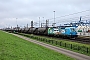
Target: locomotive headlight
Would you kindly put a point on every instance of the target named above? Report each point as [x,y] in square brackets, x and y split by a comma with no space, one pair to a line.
[70,33]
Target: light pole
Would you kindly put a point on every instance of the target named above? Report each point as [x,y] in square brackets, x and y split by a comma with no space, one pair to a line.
[39,21]
[16,21]
[43,19]
[54,16]
[54,19]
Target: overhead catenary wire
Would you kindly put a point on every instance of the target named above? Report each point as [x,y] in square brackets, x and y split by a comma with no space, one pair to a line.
[68,19]
[73,19]
[65,20]
[70,14]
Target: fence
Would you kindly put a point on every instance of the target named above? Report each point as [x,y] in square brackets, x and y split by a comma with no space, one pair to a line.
[81,49]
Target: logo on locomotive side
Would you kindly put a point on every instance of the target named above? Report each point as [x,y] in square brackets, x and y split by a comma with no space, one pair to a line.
[50,31]
[62,31]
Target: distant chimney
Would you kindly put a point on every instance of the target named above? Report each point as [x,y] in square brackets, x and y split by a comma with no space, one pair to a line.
[41,24]
[47,23]
[11,27]
[31,24]
[27,25]
[17,26]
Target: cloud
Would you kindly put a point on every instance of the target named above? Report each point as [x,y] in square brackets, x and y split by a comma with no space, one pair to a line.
[27,10]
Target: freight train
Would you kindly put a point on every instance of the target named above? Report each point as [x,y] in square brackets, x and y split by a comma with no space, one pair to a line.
[69,32]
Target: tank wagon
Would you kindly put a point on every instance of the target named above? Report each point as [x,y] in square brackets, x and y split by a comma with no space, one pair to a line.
[32,30]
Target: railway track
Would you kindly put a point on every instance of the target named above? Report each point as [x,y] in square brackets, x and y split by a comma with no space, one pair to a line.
[83,40]
[75,55]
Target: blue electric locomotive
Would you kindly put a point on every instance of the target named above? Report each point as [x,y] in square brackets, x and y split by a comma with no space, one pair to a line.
[68,32]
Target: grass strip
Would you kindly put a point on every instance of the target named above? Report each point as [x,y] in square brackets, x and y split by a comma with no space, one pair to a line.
[14,48]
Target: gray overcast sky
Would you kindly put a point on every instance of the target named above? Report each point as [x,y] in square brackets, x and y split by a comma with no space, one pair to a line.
[27,10]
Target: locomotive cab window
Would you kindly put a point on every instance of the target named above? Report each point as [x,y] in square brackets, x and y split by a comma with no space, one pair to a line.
[73,29]
[56,30]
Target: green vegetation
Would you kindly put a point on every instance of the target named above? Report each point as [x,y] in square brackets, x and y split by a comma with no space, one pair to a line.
[14,48]
[74,46]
